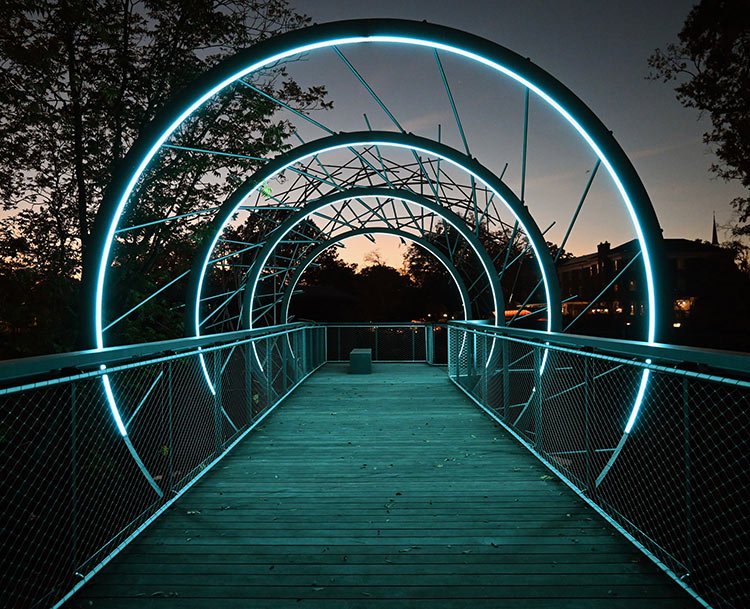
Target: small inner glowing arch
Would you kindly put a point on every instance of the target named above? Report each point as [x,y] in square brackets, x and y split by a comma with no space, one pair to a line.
[299,271]
[311,208]
[382,139]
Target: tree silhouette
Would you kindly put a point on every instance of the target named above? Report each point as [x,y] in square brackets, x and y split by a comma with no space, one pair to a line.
[80,81]
[710,65]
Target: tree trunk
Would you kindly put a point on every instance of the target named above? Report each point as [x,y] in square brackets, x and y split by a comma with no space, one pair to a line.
[74,87]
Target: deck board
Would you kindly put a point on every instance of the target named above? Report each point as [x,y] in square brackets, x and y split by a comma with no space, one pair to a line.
[384,490]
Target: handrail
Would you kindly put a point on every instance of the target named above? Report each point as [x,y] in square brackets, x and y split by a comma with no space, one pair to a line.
[23,368]
[379,324]
[101,442]
[652,436]
[676,355]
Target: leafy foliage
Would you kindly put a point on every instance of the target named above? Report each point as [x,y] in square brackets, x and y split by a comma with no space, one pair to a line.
[80,82]
[711,66]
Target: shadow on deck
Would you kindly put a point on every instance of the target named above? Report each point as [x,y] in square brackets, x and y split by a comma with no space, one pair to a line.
[386,490]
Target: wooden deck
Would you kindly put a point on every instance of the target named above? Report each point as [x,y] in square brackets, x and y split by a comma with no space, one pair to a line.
[387,490]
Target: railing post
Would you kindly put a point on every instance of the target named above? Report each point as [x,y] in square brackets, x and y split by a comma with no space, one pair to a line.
[170,451]
[249,380]
[375,352]
[269,373]
[537,399]
[506,377]
[285,353]
[451,359]
[73,478]
[338,345]
[588,388]
[484,372]
[413,344]
[687,474]
[301,351]
[217,401]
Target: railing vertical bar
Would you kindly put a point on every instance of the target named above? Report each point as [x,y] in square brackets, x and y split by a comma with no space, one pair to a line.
[74,476]
[217,401]
[506,378]
[248,377]
[269,373]
[688,470]
[537,400]
[170,449]
[587,389]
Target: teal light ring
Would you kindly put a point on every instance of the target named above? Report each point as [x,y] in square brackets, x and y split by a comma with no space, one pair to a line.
[364,193]
[239,197]
[492,55]
[423,243]
[383,139]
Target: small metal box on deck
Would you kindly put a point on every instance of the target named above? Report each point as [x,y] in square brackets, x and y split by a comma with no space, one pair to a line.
[360,361]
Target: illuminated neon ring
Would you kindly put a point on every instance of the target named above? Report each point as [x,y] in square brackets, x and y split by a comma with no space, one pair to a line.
[364,193]
[341,34]
[398,140]
[423,243]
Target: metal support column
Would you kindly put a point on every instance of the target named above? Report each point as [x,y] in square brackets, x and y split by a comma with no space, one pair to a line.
[687,472]
[73,478]
[588,387]
[505,350]
[537,399]
[170,448]
[217,402]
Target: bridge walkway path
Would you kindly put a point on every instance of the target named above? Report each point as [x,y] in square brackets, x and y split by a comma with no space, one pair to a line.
[386,490]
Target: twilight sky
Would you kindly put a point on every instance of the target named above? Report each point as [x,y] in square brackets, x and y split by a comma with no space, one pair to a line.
[599,50]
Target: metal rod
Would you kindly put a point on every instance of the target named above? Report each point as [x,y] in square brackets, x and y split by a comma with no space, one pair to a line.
[294,111]
[143,302]
[600,294]
[144,398]
[525,144]
[578,209]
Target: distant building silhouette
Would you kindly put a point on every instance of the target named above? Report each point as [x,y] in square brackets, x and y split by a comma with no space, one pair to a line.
[714,235]
[699,273]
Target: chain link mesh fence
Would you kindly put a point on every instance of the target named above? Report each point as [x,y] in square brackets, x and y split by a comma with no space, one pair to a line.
[677,482]
[74,488]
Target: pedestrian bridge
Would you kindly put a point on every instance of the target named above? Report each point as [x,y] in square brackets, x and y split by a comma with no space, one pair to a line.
[232,462]
[487,482]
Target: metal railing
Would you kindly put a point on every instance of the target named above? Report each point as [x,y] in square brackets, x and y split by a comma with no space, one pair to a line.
[94,445]
[390,342]
[655,437]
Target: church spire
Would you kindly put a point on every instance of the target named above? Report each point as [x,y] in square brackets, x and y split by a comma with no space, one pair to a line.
[714,235]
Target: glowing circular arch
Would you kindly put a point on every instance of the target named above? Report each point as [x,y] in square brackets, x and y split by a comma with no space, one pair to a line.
[382,139]
[485,52]
[500,59]
[420,241]
[366,193]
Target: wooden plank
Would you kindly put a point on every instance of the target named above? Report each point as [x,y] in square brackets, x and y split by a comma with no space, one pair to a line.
[385,490]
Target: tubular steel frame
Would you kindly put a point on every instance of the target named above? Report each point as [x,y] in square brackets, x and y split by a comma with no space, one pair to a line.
[444,39]
[419,35]
[374,138]
[367,193]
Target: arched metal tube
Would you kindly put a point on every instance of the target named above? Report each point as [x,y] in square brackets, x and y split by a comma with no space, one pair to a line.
[420,241]
[493,56]
[381,138]
[365,193]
